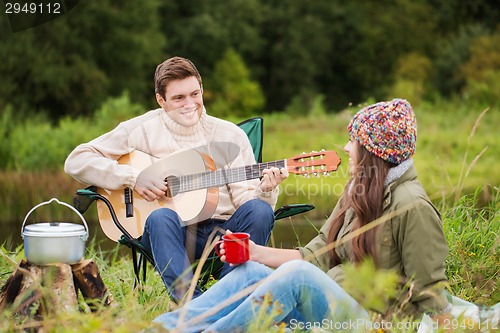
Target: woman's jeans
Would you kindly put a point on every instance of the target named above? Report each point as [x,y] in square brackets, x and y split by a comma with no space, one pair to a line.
[302,295]
[174,245]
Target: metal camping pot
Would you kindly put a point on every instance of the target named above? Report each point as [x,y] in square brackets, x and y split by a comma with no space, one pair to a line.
[54,242]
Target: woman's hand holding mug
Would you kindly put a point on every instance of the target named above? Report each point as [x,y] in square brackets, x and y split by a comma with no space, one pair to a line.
[234,248]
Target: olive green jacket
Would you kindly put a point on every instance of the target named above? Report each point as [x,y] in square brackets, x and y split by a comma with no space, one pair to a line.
[411,242]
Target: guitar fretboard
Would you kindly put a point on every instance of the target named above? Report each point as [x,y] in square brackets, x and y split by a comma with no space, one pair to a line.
[220,177]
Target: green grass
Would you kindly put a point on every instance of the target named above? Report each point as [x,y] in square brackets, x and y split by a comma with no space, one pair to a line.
[472,267]
[473,236]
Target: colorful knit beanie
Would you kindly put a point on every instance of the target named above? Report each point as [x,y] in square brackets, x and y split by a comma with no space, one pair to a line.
[386,129]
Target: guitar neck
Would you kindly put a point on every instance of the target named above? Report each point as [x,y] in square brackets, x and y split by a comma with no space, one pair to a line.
[220,177]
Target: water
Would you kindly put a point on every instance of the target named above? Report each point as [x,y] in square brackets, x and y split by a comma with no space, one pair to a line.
[287,233]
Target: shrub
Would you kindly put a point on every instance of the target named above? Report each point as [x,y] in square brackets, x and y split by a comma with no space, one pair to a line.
[113,111]
[451,54]
[482,71]
[234,92]
[412,78]
[37,144]
[6,125]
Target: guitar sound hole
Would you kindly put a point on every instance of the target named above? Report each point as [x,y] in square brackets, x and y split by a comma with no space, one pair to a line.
[173,186]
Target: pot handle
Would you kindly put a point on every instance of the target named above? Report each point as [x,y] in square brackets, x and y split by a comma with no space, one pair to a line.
[61,203]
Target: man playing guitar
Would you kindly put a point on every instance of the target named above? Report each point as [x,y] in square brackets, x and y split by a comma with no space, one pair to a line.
[180,123]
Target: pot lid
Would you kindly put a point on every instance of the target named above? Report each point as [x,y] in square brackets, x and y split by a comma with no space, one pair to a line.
[54,229]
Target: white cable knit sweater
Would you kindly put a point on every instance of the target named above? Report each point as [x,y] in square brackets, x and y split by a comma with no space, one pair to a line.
[156,134]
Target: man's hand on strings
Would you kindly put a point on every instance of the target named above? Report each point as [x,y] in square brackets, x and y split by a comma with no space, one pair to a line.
[151,188]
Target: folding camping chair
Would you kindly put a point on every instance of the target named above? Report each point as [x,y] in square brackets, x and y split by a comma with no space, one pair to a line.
[212,267]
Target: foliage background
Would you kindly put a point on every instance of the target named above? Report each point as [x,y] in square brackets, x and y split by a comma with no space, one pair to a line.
[276,55]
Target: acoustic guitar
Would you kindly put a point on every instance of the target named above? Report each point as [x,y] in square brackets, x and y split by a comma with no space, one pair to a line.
[193,183]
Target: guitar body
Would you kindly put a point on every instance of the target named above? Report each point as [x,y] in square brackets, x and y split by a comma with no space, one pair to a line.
[192,207]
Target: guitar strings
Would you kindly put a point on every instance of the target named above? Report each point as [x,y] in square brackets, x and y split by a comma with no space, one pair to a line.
[221,177]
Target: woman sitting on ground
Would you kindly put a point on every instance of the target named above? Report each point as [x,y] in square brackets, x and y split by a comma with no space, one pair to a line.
[407,237]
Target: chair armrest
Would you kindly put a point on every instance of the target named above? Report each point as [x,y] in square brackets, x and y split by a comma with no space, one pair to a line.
[84,198]
[89,191]
[291,210]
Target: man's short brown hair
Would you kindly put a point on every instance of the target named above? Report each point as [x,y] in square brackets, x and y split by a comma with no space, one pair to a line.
[175,68]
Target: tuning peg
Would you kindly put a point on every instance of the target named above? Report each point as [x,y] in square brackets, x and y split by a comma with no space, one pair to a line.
[325,173]
[322,150]
[315,174]
[306,175]
[304,153]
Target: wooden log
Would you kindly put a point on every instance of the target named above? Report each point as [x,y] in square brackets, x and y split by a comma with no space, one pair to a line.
[22,289]
[28,300]
[89,281]
[12,286]
[37,291]
[60,288]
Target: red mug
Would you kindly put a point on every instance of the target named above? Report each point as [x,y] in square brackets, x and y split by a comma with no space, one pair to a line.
[237,247]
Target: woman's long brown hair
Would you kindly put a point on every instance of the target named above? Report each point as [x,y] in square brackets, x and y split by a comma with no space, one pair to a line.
[364,194]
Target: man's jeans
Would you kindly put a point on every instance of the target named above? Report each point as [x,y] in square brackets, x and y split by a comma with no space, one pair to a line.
[305,295]
[170,242]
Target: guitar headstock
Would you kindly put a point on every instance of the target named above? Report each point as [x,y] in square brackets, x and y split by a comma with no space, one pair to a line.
[314,163]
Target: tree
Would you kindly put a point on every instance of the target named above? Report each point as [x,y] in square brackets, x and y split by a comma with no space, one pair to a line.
[378,35]
[450,54]
[70,65]
[298,50]
[202,30]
